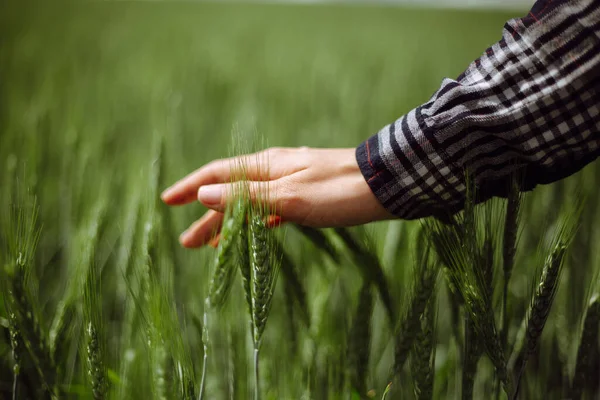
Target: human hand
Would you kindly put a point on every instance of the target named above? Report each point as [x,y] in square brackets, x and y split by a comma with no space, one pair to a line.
[313,187]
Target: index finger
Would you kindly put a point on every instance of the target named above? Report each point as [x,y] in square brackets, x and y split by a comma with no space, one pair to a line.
[261,166]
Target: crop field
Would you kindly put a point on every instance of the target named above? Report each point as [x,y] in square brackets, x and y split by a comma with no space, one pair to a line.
[105,104]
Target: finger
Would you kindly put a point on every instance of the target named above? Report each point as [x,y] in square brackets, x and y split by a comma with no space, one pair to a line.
[272,221]
[201,231]
[214,242]
[271,194]
[266,165]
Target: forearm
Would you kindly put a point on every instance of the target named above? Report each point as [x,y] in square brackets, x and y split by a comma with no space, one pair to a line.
[528,104]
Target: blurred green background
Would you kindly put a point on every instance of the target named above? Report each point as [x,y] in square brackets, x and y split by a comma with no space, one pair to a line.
[94,94]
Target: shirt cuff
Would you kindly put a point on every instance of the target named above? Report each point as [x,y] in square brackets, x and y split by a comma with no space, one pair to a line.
[405,168]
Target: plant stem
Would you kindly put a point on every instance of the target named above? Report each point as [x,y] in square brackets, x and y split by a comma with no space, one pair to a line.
[203,380]
[256,375]
[205,358]
[15,386]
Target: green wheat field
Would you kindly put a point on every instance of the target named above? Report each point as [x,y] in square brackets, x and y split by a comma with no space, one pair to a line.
[104,104]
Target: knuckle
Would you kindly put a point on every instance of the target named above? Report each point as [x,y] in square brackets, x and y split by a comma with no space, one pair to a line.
[274,151]
[215,165]
[289,196]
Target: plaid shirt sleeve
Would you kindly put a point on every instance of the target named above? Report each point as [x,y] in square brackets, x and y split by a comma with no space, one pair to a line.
[529,105]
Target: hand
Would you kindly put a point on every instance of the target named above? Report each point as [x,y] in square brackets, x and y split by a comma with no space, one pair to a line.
[313,187]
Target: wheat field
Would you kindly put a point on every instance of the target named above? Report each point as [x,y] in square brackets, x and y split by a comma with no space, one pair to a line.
[104,104]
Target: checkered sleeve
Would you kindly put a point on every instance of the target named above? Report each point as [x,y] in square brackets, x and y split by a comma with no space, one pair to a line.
[529,105]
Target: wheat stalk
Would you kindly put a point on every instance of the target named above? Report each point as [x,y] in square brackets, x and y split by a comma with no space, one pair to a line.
[509,246]
[360,340]
[386,392]
[320,240]
[472,354]
[587,353]
[295,290]
[370,268]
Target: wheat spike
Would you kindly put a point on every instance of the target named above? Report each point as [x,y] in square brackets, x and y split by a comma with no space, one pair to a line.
[264,269]
[456,246]
[160,370]
[422,290]
[539,309]
[21,236]
[243,252]
[96,370]
[28,330]
[16,344]
[423,355]
[225,265]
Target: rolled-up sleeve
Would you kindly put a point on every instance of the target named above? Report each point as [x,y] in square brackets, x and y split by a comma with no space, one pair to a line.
[529,105]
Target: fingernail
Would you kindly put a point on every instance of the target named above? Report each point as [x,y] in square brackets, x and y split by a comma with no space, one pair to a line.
[214,242]
[210,194]
[165,193]
[274,221]
[182,237]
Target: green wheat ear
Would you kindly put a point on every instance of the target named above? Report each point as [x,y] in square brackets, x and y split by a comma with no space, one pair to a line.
[457,247]
[264,269]
[264,265]
[423,287]
[29,339]
[95,358]
[543,297]
[423,354]
[225,262]
[539,309]
[96,368]
[243,252]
